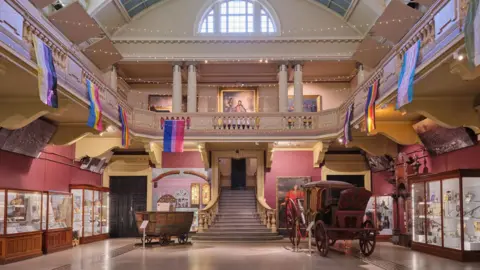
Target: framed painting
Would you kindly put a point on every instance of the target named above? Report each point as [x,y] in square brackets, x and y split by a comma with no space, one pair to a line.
[288,188]
[311,103]
[238,100]
[163,103]
[205,194]
[195,195]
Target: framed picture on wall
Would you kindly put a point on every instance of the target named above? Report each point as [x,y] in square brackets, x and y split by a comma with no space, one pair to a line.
[311,103]
[195,195]
[288,188]
[205,194]
[238,100]
[163,103]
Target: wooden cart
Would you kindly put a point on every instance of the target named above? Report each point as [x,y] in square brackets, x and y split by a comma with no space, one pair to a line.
[164,225]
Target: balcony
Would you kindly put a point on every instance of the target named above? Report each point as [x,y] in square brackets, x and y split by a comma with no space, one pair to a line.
[439,31]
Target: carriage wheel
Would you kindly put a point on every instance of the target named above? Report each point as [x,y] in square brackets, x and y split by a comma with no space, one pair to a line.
[368,239]
[292,226]
[183,238]
[148,240]
[321,238]
[331,242]
[164,240]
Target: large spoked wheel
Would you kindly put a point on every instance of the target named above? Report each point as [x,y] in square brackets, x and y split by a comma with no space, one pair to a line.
[182,239]
[368,239]
[291,222]
[321,238]
[164,240]
[148,240]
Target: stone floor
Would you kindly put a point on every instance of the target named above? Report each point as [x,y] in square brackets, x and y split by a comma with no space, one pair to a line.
[122,254]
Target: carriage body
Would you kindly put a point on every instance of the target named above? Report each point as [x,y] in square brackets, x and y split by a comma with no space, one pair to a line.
[164,225]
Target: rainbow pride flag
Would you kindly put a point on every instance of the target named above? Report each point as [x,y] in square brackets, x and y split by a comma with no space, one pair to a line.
[173,136]
[370,106]
[122,115]
[95,116]
[47,76]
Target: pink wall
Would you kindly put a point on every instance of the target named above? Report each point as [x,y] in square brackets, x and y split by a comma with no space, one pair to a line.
[190,159]
[289,163]
[53,170]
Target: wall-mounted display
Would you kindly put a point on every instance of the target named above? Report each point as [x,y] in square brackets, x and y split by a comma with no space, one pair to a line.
[163,103]
[446,214]
[21,224]
[90,213]
[238,100]
[57,209]
[311,103]
[195,194]
[288,188]
[205,194]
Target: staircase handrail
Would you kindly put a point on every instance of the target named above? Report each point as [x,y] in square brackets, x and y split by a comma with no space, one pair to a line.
[207,215]
[267,214]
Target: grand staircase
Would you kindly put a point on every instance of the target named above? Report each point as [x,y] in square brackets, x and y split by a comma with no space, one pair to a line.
[237,220]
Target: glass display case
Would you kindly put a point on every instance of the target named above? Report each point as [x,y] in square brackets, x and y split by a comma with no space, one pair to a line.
[57,209]
[21,224]
[446,214]
[90,213]
[380,212]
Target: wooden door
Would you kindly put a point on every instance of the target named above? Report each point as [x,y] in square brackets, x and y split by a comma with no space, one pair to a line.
[239,173]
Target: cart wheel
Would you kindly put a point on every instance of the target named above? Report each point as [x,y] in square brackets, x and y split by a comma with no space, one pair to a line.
[290,220]
[321,237]
[368,239]
[331,242]
[164,240]
[182,239]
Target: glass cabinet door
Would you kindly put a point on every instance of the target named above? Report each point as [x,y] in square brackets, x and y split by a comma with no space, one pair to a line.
[44,211]
[88,213]
[433,222]
[2,211]
[451,213]
[97,213]
[418,209]
[105,212]
[471,211]
[77,211]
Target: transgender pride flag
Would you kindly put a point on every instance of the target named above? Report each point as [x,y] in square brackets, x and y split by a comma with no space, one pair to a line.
[173,136]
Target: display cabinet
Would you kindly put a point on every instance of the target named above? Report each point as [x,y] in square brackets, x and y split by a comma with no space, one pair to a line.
[446,214]
[380,212]
[21,225]
[90,213]
[57,221]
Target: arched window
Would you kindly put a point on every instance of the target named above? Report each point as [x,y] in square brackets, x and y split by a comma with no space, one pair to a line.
[237,17]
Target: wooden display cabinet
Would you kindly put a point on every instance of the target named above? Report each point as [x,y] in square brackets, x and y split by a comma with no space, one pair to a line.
[20,225]
[446,214]
[90,213]
[380,212]
[57,221]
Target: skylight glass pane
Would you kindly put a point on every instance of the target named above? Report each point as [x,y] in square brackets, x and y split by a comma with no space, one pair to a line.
[223,24]
[338,6]
[223,8]
[133,7]
[250,8]
[236,24]
[236,7]
[250,24]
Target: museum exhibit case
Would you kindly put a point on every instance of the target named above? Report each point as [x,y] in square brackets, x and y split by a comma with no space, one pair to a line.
[91,211]
[380,212]
[57,221]
[446,214]
[20,225]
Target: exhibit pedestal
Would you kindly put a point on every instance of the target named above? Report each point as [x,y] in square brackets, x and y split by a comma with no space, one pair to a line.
[20,247]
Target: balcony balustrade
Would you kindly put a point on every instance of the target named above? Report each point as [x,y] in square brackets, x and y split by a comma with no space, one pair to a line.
[439,29]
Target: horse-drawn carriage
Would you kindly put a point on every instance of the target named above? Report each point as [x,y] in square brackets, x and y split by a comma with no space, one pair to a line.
[337,210]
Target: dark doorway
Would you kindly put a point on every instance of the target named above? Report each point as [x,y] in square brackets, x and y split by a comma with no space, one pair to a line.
[128,194]
[356,180]
[239,173]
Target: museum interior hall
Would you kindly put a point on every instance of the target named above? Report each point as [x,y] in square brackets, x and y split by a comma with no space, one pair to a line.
[239,134]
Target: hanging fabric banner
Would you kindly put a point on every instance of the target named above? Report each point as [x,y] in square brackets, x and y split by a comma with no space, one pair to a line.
[95,115]
[472,33]
[122,115]
[47,76]
[347,132]
[370,106]
[407,74]
[173,136]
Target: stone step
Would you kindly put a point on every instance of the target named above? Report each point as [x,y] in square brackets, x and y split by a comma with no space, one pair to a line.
[241,199]
[235,233]
[234,238]
[238,226]
[238,221]
[237,215]
[239,229]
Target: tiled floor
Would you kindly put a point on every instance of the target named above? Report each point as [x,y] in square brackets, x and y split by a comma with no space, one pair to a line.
[121,254]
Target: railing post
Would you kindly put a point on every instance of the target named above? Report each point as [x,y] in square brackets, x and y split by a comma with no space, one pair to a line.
[200,223]
[274,223]
[267,219]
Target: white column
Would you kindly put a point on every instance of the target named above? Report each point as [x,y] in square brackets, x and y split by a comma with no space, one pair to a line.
[177,89]
[192,89]
[298,88]
[283,88]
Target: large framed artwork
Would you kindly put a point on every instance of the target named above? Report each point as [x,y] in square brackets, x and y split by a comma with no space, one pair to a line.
[288,187]
[311,103]
[238,100]
[163,103]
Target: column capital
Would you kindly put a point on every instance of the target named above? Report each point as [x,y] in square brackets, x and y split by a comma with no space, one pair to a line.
[178,63]
[192,63]
[297,66]
[192,68]
[283,66]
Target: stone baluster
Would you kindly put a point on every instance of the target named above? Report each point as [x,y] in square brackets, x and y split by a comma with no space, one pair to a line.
[273,222]
[200,223]
[268,218]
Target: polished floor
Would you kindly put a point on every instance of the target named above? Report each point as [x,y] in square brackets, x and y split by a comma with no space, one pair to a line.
[121,254]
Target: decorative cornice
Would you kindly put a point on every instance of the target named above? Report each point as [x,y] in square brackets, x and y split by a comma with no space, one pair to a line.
[239,41]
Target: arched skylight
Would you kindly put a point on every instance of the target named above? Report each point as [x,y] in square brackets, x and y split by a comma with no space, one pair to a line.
[237,17]
[339,6]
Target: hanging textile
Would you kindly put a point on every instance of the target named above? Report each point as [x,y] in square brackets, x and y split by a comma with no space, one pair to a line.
[472,33]
[122,115]
[47,76]
[370,106]
[173,136]
[347,132]
[407,74]
[95,115]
